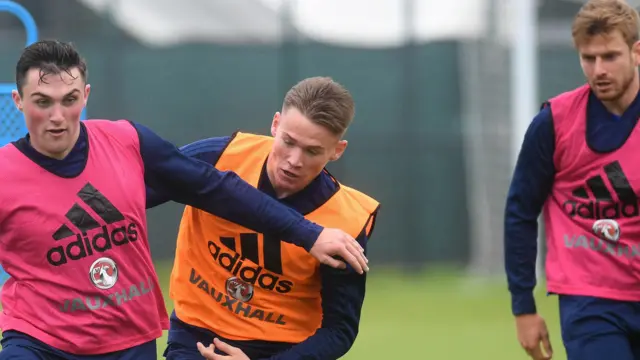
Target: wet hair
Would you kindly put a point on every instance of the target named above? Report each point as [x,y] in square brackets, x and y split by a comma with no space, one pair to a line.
[50,57]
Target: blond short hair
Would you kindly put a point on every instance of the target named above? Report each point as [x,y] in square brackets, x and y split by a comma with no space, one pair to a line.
[604,17]
[324,102]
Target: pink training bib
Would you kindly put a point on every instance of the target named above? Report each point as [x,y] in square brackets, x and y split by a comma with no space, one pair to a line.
[589,186]
[82,279]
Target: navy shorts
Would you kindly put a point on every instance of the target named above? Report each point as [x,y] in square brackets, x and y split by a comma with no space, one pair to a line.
[181,344]
[19,346]
[182,340]
[596,328]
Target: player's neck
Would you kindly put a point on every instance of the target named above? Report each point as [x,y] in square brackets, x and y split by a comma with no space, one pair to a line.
[620,105]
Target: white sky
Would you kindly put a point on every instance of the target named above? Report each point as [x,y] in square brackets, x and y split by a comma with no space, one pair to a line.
[363,23]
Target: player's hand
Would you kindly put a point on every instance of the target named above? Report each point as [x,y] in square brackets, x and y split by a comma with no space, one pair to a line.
[233,353]
[533,336]
[334,242]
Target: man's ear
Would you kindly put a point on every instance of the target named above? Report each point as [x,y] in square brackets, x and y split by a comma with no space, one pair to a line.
[339,150]
[17,99]
[275,123]
[87,91]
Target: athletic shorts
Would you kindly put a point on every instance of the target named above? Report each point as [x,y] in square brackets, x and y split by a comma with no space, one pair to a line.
[596,328]
[20,346]
[183,338]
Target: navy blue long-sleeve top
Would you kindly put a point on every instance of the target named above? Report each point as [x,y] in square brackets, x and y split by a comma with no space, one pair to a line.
[342,291]
[532,182]
[169,171]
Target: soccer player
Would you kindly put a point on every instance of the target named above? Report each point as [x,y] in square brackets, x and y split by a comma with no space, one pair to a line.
[260,298]
[578,163]
[73,232]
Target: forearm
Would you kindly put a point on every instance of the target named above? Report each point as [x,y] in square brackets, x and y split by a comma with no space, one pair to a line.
[520,265]
[531,183]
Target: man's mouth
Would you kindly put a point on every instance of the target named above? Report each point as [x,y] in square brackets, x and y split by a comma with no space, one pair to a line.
[56,131]
[289,174]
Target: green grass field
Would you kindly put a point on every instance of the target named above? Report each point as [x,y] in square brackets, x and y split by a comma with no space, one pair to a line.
[437,315]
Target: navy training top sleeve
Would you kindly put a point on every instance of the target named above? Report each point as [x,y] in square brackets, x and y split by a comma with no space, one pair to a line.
[530,186]
[342,294]
[207,150]
[224,194]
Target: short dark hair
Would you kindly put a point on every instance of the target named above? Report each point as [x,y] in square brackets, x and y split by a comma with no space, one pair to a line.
[51,57]
[324,102]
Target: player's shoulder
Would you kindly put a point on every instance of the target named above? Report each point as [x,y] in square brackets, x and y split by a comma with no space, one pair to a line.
[104,123]
[8,153]
[361,207]
[115,127]
[544,115]
[565,102]
[9,147]
[541,128]
[245,142]
[211,144]
[122,131]
[366,202]
[569,94]
[579,91]
[248,137]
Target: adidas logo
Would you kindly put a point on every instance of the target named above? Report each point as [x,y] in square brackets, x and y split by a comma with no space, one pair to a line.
[87,241]
[268,276]
[602,205]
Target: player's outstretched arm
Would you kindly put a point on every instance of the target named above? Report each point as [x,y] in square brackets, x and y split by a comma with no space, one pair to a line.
[530,186]
[207,150]
[197,183]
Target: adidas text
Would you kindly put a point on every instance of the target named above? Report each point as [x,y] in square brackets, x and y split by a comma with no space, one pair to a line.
[601,209]
[86,243]
[254,275]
